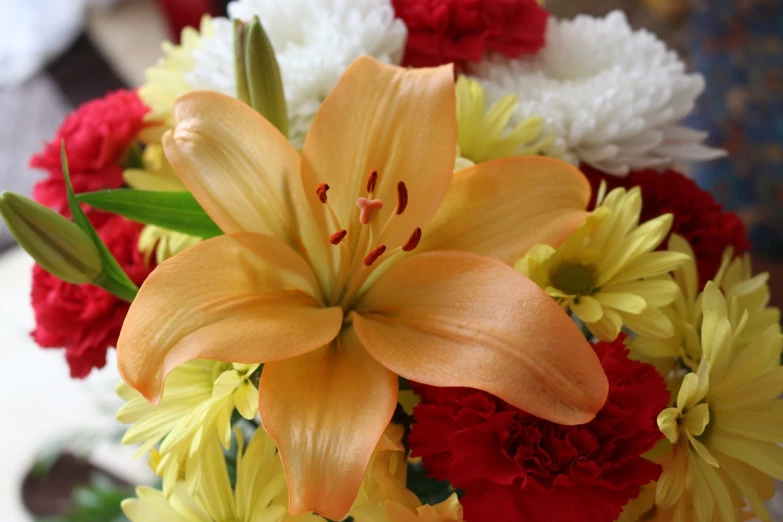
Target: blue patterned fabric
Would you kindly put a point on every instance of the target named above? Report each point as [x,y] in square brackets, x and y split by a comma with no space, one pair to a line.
[738,46]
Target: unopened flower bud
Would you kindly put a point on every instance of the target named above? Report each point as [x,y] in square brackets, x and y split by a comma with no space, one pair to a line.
[56,243]
[259,83]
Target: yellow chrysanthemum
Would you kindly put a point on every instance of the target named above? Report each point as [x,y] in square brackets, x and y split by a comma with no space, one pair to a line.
[744,292]
[166,79]
[158,175]
[748,293]
[727,424]
[383,496]
[199,398]
[484,135]
[607,272]
[260,494]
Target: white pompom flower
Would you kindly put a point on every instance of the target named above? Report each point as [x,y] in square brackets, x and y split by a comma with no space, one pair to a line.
[611,97]
[314,40]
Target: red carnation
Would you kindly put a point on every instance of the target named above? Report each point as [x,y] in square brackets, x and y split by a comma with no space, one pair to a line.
[97,137]
[445,31]
[85,319]
[697,216]
[516,467]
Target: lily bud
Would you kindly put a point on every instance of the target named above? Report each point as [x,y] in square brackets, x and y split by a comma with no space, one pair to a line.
[56,243]
[258,79]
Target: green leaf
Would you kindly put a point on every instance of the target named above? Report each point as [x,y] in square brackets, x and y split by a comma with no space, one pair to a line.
[176,211]
[113,278]
[429,490]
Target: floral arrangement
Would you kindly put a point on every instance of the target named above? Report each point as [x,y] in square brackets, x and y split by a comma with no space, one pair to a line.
[411,260]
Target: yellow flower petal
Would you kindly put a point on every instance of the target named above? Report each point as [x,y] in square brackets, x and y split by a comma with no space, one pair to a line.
[702,451]
[629,303]
[668,423]
[242,298]
[457,319]
[247,400]
[696,419]
[650,322]
[608,327]
[671,484]
[720,492]
[504,207]
[326,410]
[656,292]
[741,475]
[764,456]
[652,264]
[763,389]
[588,309]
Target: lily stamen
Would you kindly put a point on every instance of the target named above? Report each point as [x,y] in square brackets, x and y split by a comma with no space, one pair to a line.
[337,237]
[372,179]
[412,241]
[373,256]
[321,191]
[402,198]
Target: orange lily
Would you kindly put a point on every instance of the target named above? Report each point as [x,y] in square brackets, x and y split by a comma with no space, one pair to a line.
[339,280]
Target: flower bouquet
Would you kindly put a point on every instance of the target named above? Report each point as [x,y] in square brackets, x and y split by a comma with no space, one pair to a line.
[469,289]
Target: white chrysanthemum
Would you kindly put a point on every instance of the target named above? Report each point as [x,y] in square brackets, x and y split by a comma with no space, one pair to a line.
[314,40]
[612,97]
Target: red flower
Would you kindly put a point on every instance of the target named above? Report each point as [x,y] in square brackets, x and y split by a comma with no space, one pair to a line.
[516,467]
[85,319]
[444,31]
[697,216]
[97,137]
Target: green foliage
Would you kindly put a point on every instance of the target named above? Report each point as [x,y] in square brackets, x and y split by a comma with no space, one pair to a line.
[98,502]
[113,278]
[429,490]
[176,211]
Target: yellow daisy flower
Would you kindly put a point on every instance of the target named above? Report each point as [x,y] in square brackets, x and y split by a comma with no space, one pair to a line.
[383,496]
[260,494]
[198,400]
[744,292]
[166,79]
[727,423]
[747,293]
[157,174]
[607,273]
[484,135]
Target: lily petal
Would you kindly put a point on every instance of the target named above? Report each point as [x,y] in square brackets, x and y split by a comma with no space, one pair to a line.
[327,411]
[240,298]
[449,318]
[502,208]
[237,164]
[399,122]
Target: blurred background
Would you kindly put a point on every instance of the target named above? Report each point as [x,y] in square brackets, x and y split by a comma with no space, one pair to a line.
[57,54]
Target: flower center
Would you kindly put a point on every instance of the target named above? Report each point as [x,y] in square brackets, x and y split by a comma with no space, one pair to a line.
[574,278]
[365,248]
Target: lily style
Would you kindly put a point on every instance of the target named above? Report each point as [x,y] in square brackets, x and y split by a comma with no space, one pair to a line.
[362,259]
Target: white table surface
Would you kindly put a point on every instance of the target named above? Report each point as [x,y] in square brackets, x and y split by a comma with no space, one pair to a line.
[40,403]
